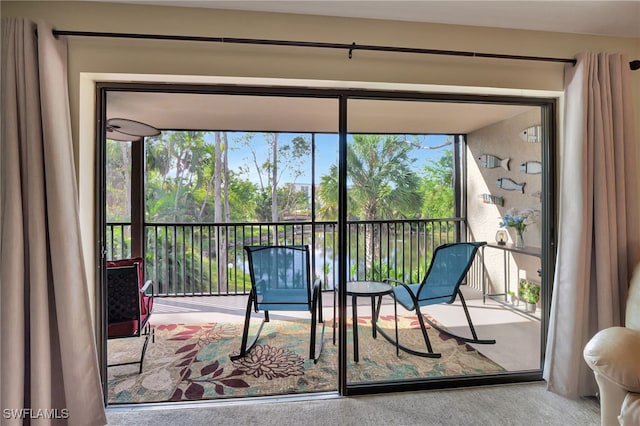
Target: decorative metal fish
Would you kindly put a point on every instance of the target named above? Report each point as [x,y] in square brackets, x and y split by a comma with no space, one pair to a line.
[532,134]
[489,161]
[492,199]
[510,185]
[531,167]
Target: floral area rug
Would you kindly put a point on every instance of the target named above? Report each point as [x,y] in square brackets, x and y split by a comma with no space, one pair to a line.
[191,361]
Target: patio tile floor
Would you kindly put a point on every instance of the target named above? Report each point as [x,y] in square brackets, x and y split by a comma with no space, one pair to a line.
[517,334]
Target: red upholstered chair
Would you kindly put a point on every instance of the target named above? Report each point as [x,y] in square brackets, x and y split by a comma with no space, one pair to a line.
[129,305]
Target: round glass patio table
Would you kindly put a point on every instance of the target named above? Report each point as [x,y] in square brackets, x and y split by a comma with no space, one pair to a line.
[372,289]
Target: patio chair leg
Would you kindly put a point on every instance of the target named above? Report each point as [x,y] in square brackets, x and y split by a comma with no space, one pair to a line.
[423,327]
[318,349]
[151,330]
[316,315]
[396,341]
[312,336]
[395,316]
[474,338]
[144,350]
[319,303]
[244,348]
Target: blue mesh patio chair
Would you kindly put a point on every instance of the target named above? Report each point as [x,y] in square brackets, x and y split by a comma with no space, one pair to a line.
[281,281]
[441,284]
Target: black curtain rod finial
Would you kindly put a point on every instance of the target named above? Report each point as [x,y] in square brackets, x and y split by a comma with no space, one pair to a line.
[634,65]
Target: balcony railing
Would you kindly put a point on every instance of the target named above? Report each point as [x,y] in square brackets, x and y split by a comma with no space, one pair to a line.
[187,259]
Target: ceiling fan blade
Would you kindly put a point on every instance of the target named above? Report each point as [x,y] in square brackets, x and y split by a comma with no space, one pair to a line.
[131,127]
[121,137]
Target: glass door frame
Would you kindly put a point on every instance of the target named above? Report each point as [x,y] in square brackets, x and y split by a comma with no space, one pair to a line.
[548,215]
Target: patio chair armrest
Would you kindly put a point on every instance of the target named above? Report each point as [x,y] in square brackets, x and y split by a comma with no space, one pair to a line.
[402,283]
[398,283]
[316,292]
[260,284]
[317,284]
[392,281]
[146,285]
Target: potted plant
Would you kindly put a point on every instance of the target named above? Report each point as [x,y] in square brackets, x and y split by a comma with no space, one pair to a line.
[523,287]
[512,298]
[531,296]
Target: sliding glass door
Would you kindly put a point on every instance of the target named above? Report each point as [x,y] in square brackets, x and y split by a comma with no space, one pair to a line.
[374,183]
[422,175]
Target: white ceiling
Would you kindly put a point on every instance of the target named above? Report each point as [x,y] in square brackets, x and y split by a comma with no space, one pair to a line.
[615,18]
[188,111]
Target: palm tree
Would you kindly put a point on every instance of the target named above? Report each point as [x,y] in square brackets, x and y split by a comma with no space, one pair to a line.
[381,184]
[328,195]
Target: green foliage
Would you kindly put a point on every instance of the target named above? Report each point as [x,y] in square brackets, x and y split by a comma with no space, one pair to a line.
[243,199]
[294,202]
[382,183]
[180,264]
[328,195]
[180,166]
[269,163]
[118,178]
[381,270]
[263,205]
[437,187]
[119,237]
[528,291]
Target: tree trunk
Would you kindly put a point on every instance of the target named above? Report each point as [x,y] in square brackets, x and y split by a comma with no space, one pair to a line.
[205,202]
[372,244]
[126,166]
[217,180]
[274,179]
[223,252]
[221,246]
[372,238]
[227,213]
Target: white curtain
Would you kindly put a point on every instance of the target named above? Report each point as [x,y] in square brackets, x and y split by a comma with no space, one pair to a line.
[599,236]
[48,358]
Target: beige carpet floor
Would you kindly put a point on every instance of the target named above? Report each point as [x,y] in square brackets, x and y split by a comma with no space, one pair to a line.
[517,405]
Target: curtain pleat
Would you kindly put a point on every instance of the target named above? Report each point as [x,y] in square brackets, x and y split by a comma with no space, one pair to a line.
[48,356]
[599,234]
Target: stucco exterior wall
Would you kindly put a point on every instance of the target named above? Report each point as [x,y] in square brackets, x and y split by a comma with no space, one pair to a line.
[503,140]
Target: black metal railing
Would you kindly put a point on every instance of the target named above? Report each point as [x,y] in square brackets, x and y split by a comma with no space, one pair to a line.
[187,259]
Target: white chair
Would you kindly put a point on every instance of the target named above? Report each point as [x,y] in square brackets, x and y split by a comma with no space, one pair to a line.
[614,356]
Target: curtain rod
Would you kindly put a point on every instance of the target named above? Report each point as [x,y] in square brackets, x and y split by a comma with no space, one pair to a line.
[634,65]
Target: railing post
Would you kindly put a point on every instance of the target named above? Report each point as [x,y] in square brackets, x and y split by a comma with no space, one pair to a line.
[403,253]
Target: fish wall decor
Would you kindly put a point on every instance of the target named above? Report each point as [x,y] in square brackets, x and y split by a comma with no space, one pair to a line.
[532,134]
[489,161]
[492,199]
[510,185]
[531,167]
